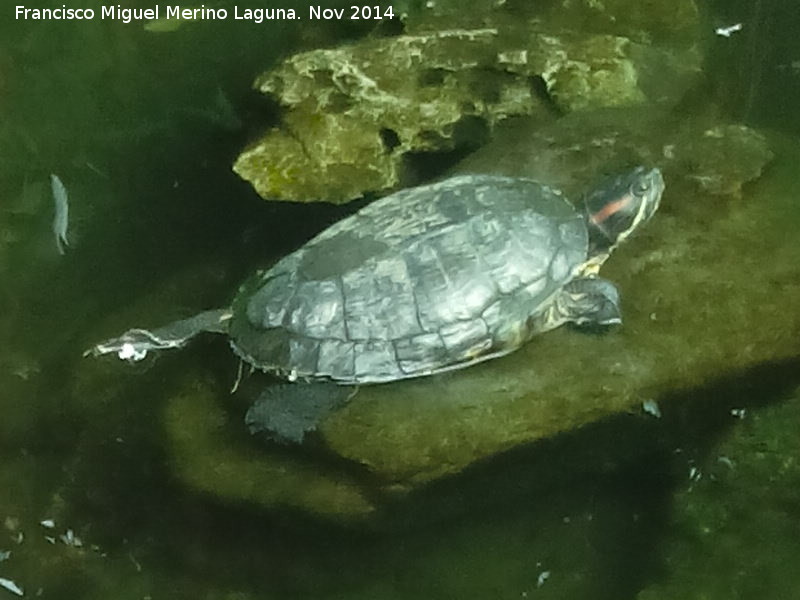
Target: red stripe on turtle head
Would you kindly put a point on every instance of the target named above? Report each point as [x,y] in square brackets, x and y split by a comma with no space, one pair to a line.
[611,209]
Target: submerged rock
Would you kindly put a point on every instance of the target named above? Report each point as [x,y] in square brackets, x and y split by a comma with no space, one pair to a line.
[700,299]
[697,270]
[717,158]
[353,115]
[700,267]
[210,452]
[705,291]
[722,158]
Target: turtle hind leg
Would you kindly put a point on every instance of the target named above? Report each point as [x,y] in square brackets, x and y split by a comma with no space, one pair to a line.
[135,343]
[590,302]
[287,411]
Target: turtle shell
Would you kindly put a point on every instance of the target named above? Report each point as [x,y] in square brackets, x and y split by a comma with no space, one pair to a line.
[424,280]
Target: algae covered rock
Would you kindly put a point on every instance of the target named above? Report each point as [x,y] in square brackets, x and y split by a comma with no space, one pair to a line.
[591,73]
[419,430]
[353,115]
[715,157]
[722,158]
[354,112]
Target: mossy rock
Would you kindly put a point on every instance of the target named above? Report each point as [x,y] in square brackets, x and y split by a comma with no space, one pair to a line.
[355,115]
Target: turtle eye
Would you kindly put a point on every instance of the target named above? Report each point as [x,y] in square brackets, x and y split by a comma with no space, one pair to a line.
[640,187]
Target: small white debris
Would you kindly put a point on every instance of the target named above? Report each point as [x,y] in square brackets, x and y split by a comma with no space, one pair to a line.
[727,31]
[543,576]
[695,474]
[11,586]
[128,351]
[11,523]
[50,539]
[18,537]
[61,217]
[739,413]
[70,539]
[96,170]
[137,565]
[48,523]
[651,408]
[5,555]
[726,461]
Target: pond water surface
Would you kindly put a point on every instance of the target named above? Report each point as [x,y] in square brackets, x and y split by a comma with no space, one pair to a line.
[142,129]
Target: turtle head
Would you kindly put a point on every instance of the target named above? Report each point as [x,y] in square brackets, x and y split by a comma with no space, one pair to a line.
[615,209]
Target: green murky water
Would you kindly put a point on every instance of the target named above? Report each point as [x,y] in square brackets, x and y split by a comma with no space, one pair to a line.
[142,128]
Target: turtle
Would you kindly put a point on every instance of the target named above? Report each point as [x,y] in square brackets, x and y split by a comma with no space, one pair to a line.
[422,281]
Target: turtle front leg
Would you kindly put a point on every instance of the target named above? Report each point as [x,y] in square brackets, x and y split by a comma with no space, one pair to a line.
[589,301]
[585,301]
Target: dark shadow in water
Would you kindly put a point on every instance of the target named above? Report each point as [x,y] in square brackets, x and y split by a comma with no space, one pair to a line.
[754,71]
